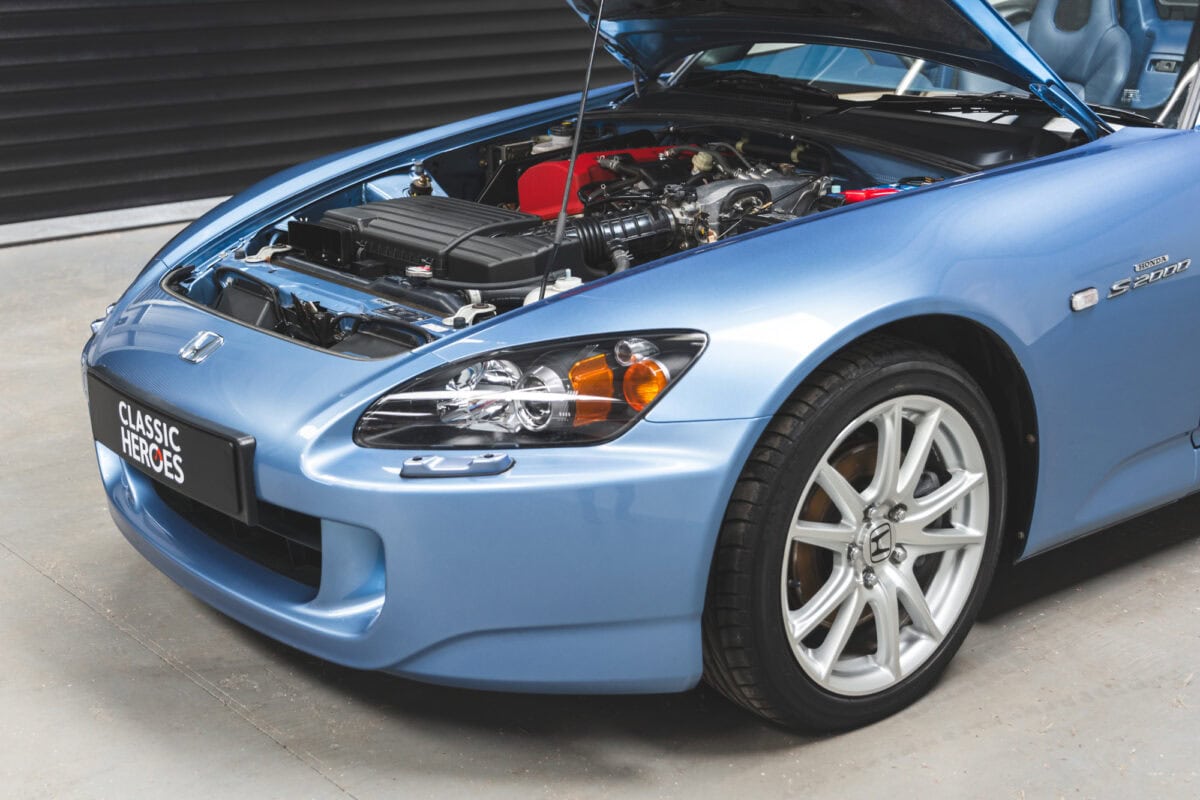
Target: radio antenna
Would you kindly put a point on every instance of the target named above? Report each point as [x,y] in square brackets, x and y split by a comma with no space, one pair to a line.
[560,225]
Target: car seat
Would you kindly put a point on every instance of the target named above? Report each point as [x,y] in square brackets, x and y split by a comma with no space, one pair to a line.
[1083,41]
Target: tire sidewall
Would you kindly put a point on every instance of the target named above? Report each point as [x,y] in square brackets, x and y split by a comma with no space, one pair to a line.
[901,377]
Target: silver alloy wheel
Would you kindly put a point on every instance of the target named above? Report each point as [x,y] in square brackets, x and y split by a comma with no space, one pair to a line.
[904,554]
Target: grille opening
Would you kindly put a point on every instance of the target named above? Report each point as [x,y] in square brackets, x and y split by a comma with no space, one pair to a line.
[284,541]
[248,299]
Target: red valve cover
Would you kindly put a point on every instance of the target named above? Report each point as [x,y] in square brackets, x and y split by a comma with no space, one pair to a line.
[540,188]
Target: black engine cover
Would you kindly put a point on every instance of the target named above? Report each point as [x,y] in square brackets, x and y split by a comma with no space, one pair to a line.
[462,240]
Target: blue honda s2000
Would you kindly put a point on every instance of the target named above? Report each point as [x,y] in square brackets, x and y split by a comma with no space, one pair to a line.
[752,372]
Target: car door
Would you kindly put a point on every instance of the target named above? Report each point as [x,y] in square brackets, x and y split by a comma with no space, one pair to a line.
[1124,350]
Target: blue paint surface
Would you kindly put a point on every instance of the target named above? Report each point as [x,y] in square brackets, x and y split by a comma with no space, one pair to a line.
[586,568]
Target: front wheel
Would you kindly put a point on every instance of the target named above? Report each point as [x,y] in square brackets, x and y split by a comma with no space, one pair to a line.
[860,541]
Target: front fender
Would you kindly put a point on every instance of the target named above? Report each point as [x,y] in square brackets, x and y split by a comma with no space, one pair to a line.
[1001,249]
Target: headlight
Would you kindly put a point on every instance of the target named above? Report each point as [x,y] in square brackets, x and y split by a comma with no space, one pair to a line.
[574,391]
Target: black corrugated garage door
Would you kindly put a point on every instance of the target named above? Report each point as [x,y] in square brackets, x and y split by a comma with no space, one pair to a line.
[131,102]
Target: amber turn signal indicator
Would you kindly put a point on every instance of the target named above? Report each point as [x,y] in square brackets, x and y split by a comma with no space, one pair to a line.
[644,381]
[592,380]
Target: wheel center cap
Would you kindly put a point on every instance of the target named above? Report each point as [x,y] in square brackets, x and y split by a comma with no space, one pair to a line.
[879,539]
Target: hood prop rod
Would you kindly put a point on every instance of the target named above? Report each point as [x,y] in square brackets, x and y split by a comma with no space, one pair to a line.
[560,224]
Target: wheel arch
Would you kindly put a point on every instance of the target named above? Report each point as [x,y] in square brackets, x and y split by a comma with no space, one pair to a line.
[988,359]
[739,646]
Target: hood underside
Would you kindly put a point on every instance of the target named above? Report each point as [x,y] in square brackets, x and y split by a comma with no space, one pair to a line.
[650,35]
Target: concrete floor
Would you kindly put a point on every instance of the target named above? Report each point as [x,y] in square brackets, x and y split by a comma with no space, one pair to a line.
[1080,681]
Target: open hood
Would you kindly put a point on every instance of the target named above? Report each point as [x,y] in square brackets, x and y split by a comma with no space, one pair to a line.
[649,35]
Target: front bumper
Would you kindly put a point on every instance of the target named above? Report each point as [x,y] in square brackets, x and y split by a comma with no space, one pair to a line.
[580,569]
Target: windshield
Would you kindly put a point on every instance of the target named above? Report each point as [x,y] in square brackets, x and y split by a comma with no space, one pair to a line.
[851,73]
[1129,55]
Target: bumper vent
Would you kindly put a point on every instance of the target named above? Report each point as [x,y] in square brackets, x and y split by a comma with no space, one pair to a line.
[284,541]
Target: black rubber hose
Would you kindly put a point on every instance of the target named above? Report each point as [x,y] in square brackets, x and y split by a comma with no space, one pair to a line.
[606,191]
[441,283]
[645,232]
[503,297]
[617,198]
[741,157]
[631,171]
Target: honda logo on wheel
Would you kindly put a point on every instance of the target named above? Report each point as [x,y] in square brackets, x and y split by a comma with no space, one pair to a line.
[880,542]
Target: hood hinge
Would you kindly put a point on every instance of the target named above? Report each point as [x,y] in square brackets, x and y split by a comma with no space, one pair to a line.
[1066,103]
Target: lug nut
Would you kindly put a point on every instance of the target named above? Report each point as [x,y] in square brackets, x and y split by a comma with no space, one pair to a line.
[871,512]
[853,552]
[898,513]
[899,554]
[869,579]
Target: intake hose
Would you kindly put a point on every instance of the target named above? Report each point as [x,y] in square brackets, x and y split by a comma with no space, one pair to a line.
[644,233]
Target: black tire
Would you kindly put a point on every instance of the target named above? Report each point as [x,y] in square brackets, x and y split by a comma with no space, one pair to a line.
[747,654]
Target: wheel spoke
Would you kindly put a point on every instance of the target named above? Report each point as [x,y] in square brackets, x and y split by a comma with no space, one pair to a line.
[912,597]
[803,620]
[918,451]
[928,509]
[923,542]
[888,566]
[887,460]
[887,629]
[822,534]
[839,634]
[849,502]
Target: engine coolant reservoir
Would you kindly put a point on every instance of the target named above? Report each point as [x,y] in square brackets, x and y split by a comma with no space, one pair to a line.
[558,137]
[561,285]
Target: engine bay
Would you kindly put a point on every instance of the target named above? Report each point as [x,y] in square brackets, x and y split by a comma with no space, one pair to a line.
[625,206]
[468,234]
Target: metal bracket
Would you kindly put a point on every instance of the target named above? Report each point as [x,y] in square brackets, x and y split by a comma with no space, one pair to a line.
[470,314]
[265,254]
[1066,103]
[456,466]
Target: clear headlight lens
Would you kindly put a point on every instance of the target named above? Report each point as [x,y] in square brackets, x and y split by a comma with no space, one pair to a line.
[575,391]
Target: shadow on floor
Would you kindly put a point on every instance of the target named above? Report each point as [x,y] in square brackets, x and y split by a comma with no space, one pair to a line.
[701,720]
[1092,556]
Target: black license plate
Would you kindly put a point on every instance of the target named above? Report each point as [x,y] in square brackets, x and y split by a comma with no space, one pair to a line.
[189,457]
